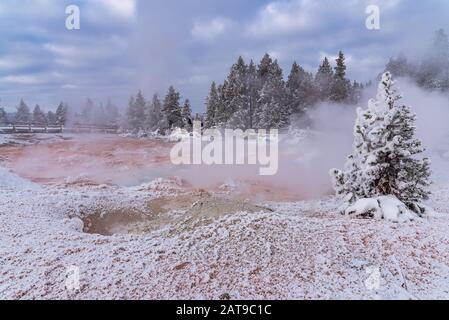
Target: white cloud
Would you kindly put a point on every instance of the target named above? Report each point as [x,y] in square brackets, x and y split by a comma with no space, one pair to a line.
[209,30]
[25,79]
[69,86]
[37,9]
[62,50]
[14,62]
[283,17]
[125,9]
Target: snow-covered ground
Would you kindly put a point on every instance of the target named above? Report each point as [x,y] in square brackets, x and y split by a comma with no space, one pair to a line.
[285,250]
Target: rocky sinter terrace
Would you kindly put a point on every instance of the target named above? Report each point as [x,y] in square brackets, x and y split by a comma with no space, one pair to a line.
[175,242]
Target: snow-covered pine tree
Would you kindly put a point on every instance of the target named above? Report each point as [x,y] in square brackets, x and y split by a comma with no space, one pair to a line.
[264,68]
[51,118]
[23,114]
[434,71]
[61,114]
[212,102]
[273,111]
[400,67]
[324,79]
[172,109]
[186,114]
[88,112]
[252,84]
[263,71]
[355,92]
[340,90]
[301,90]
[385,158]
[130,114]
[154,117]
[3,116]
[39,117]
[100,117]
[237,96]
[139,109]
[222,113]
[112,114]
[136,112]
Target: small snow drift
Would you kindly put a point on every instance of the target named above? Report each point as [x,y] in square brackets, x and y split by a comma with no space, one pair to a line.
[383,176]
[384,207]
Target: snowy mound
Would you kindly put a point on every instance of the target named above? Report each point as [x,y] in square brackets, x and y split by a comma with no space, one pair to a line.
[9,180]
[383,207]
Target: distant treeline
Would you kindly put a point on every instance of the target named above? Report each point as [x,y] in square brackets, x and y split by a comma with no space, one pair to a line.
[24,115]
[252,96]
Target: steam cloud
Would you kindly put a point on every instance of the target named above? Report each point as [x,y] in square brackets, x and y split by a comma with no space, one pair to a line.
[304,163]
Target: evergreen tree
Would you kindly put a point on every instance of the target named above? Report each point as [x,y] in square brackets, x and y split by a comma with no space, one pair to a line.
[434,70]
[253,85]
[385,156]
[3,116]
[155,117]
[212,102]
[221,113]
[301,90]
[237,98]
[355,92]
[88,112]
[264,69]
[273,111]
[39,116]
[263,73]
[100,116]
[186,114]
[136,112]
[340,90]
[139,108]
[440,47]
[23,114]
[172,109]
[131,121]
[112,114]
[324,79]
[51,118]
[399,67]
[61,114]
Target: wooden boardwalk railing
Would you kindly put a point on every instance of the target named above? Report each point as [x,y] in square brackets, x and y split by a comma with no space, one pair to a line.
[36,128]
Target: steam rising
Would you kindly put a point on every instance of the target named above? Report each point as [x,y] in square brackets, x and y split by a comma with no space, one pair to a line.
[305,154]
[304,162]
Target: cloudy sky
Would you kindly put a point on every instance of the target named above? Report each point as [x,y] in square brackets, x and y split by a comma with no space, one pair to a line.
[126,45]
